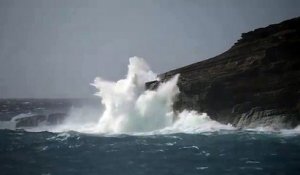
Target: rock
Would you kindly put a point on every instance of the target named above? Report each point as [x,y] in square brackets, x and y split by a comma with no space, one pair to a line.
[273,118]
[34,120]
[255,82]
[56,118]
[30,121]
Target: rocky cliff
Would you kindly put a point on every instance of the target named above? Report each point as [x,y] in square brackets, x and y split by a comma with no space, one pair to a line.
[254,83]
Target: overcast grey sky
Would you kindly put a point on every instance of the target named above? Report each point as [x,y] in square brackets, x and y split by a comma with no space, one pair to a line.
[55,48]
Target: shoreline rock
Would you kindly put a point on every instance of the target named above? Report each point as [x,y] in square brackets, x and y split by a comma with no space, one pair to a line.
[34,120]
[255,83]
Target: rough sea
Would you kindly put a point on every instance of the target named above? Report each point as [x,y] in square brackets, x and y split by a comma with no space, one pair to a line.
[208,153]
[132,131]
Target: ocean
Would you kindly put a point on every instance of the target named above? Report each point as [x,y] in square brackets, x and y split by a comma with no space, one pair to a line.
[210,152]
[131,131]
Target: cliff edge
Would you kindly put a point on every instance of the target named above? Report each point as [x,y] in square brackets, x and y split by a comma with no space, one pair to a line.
[255,83]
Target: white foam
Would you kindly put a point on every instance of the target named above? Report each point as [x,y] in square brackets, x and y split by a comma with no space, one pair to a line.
[12,123]
[7,125]
[130,109]
[193,122]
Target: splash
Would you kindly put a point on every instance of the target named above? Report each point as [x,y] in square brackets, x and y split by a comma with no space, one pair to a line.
[129,108]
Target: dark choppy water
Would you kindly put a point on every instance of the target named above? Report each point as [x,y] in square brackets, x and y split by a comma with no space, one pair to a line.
[215,153]
[12,107]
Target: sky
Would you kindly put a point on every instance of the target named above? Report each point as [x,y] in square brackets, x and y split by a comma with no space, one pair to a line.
[55,48]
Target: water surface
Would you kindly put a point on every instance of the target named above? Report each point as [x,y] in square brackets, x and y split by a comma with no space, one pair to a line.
[223,152]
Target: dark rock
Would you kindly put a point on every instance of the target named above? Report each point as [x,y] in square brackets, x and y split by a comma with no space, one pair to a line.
[254,83]
[274,118]
[56,118]
[152,84]
[35,120]
[30,121]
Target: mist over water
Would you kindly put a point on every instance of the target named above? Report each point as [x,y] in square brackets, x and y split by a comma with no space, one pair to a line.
[129,108]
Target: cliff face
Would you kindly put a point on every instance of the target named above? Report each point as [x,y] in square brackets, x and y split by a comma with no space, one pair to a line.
[254,83]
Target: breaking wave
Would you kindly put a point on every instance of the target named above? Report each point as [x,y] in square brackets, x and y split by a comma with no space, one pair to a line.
[130,109]
[127,108]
